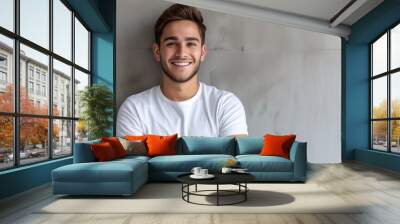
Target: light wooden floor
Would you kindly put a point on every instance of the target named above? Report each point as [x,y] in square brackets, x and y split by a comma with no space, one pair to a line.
[378,188]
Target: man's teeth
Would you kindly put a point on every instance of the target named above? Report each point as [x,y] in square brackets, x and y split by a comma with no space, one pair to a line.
[181,63]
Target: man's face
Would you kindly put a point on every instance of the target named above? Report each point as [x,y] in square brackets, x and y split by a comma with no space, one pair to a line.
[180,51]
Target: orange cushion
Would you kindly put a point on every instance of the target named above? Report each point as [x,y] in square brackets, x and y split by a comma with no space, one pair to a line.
[103,151]
[116,145]
[161,145]
[136,138]
[275,145]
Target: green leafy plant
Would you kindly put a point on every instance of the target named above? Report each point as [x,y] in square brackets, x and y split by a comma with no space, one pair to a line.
[96,102]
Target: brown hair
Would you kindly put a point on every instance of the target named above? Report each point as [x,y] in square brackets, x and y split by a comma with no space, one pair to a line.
[179,12]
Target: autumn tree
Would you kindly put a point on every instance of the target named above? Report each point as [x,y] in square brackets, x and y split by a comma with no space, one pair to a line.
[380,127]
[33,131]
[396,123]
[6,122]
[81,129]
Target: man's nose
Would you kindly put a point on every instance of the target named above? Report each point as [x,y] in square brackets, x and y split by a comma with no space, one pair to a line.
[181,50]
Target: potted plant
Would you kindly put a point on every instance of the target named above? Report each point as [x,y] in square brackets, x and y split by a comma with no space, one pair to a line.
[96,102]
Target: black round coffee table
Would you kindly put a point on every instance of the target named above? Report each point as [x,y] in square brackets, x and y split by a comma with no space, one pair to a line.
[238,179]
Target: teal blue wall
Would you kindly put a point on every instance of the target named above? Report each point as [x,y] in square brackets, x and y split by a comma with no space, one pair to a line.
[103,52]
[376,158]
[24,178]
[356,84]
[99,15]
[102,58]
[357,99]
[89,11]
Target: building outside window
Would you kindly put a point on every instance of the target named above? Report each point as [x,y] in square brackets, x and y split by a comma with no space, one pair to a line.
[38,89]
[30,87]
[55,95]
[3,61]
[58,134]
[385,91]
[43,90]
[3,71]
[3,79]
[30,72]
[44,77]
[37,74]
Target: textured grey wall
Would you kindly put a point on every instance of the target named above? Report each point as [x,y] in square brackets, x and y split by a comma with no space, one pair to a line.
[288,79]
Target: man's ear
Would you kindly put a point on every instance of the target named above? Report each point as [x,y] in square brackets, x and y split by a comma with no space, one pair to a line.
[203,52]
[156,52]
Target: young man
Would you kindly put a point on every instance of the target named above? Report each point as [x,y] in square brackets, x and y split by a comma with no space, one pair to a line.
[181,104]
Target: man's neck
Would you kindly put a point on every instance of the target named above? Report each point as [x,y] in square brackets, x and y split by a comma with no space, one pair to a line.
[179,91]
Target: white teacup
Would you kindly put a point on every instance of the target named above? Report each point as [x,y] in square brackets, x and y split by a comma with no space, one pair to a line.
[226,170]
[196,170]
[203,172]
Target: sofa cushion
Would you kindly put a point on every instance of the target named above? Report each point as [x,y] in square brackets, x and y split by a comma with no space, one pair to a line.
[103,152]
[249,145]
[116,145]
[111,171]
[136,137]
[161,145]
[193,145]
[257,163]
[133,158]
[185,163]
[277,145]
[134,147]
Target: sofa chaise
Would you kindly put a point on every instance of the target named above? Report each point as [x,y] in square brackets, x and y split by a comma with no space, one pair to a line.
[126,175]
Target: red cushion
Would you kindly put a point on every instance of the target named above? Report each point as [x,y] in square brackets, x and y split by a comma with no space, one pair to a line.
[275,145]
[161,145]
[116,145]
[103,151]
[136,137]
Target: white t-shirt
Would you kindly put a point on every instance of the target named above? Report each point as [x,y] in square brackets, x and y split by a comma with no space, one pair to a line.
[211,112]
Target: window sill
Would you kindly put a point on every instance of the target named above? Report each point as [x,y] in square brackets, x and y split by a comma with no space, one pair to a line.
[26,167]
[385,160]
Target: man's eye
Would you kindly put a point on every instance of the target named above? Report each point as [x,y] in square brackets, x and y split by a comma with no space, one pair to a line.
[170,44]
[191,44]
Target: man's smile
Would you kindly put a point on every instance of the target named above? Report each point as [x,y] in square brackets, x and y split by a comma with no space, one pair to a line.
[181,63]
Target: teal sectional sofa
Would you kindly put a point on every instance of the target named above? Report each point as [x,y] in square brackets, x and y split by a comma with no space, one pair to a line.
[125,176]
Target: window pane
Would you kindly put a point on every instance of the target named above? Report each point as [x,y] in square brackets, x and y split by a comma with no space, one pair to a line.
[379,55]
[62,141]
[62,89]
[6,142]
[7,14]
[34,79]
[33,140]
[379,135]
[81,81]
[395,136]
[62,29]
[35,21]
[395,47]
[6,74]
[395,94]
[81,131]
[81,45]
[379,100]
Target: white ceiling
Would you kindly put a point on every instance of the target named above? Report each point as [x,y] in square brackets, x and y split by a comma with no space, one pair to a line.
[314,15]
[319,9]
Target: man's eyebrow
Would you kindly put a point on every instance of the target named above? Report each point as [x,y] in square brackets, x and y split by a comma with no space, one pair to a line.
[186,39]
[192,39]
[170,38]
